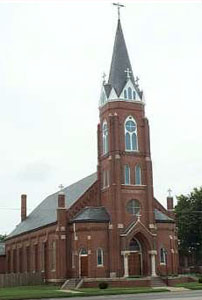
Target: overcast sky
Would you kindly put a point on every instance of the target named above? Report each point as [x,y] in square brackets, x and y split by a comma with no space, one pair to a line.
[52,55]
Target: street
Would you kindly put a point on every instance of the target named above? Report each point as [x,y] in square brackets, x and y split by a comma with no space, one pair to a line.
[190,295]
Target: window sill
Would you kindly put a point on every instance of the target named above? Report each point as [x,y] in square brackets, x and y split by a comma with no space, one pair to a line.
[132,151]
[100,266]
[162,264]
[105,188]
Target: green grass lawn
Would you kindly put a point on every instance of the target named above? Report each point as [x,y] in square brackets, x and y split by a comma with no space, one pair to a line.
[26,292]
[191,285]
[119,291]
[46,291]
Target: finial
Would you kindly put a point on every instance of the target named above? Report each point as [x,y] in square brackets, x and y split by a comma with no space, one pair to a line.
[128,72]
[169,193]
[61,187]
[119,5]
[136,80]
[103,77]
[138,217]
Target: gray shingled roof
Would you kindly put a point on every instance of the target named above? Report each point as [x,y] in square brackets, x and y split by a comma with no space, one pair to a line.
[92,214]
[45,213]
[2,248]
[161,217]
[120,62]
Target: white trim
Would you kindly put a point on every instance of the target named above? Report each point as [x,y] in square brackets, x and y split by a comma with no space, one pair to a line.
[113,95]
[138,221]
[128,85]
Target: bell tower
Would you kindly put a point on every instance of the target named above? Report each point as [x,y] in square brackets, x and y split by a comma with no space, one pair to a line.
[124,160]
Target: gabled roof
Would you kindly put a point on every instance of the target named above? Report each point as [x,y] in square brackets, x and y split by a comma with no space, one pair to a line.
[161,217]
[46,212]
[120,62]
[92,214]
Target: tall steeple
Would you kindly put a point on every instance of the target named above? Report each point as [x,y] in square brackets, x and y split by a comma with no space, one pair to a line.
[122,84]
[120,63]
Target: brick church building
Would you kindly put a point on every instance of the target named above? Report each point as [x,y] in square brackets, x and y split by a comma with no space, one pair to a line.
[108,224]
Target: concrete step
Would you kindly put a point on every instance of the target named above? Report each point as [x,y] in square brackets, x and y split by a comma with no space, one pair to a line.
[72,283]
[157,282]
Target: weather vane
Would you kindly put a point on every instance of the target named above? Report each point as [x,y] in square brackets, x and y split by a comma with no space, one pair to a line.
[119,5]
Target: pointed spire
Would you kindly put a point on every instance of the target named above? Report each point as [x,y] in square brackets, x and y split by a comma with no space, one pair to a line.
[120,62]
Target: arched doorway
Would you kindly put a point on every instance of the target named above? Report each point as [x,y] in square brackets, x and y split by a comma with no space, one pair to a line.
[135,258]
[83,263]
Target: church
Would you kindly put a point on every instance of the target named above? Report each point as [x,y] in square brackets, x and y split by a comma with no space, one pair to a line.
[109,224]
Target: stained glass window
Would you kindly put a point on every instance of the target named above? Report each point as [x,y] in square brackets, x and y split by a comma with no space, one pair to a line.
[126,174]
[131,135]
[138,179]
[105,142]
[99,257]
[133,207]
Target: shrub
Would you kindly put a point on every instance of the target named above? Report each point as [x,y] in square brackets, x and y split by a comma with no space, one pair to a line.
[200,280]
[103,285]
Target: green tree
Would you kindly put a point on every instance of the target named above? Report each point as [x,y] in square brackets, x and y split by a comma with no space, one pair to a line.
[189,222]
[2,237]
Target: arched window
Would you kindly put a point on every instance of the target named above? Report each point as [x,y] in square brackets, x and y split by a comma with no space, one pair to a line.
[105,182]
[53,255]
[99,257]
[83,251]
[126,174]
[125,94]
[134,245]
[133,207]
[163,256]
[129,93]
[138,177]
[130,134]
[134,95]
[105,142]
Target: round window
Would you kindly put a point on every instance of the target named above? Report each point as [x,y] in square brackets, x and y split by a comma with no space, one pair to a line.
[133,207]
[130,126]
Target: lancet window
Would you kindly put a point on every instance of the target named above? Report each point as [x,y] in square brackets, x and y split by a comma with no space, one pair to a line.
[99,257]
[131,143]
[105,140]
[138,175]
[126,174]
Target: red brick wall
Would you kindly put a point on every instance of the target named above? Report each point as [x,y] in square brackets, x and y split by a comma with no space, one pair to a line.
[121,283]
[2,264]
[90,236]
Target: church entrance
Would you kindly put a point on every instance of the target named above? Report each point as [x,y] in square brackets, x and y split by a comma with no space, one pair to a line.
[134,264]
[83,259]
[135,258]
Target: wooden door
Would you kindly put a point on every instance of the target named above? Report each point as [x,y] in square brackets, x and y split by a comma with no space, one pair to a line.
[134,264]
[84,266]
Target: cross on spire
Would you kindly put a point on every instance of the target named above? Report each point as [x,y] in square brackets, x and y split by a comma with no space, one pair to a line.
[119,5]
[138,217]
[128,72]
[61,187]
[103,77]
[169,193]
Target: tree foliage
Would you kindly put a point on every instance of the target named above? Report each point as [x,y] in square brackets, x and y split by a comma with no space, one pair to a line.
[189,222]
[2,237]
